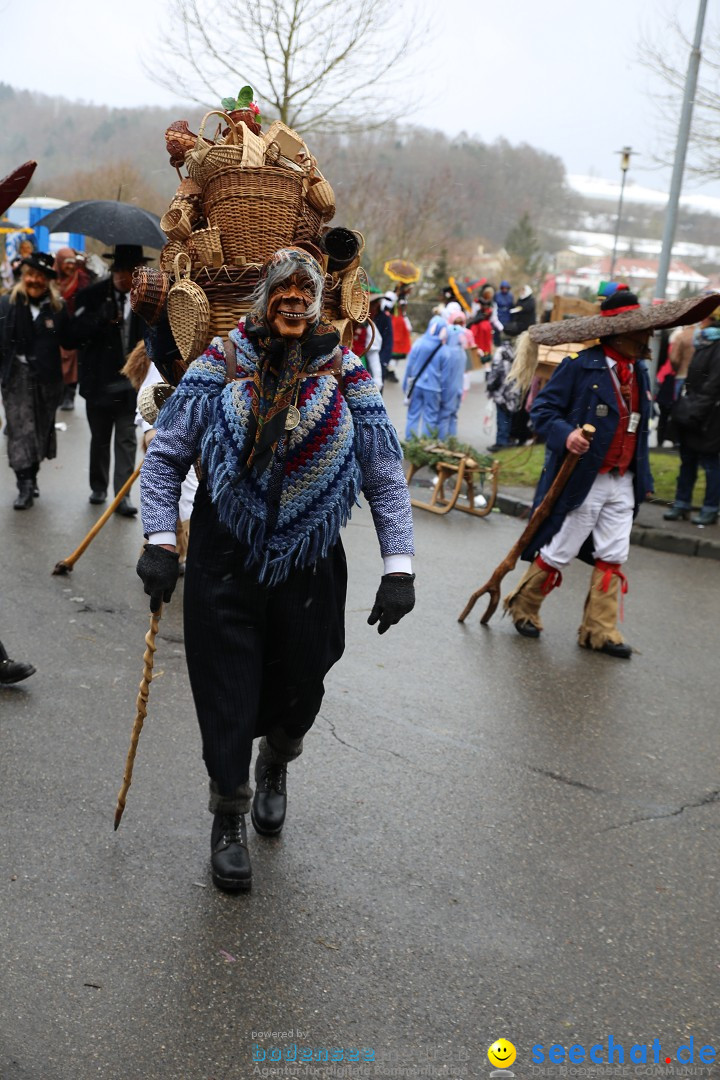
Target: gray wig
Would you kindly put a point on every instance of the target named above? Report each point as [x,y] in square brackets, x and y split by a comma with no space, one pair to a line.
[283,265]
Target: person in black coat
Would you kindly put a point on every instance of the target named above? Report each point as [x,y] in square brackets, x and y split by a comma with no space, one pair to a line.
[108,330]
[696,417]
[34,323]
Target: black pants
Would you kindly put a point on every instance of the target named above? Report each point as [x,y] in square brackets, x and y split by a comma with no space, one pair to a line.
[102,418]
[257,656]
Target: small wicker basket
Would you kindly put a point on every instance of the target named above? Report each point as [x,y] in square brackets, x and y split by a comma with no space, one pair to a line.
[149,292]
[241,149]
[355,295]
[205,247]
[176,223]
[168,253]
[188,311]
[321,196]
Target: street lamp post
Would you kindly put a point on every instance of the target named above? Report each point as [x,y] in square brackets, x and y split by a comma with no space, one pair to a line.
[624,165]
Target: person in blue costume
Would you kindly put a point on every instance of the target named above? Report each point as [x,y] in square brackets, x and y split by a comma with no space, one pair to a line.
[424,378]
[289,428]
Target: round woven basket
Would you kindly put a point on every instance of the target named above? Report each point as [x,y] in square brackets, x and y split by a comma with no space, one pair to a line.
[322,197]
[256,210]
[149,292]
[176,223]
[355,295]
[205,247]
[188,311]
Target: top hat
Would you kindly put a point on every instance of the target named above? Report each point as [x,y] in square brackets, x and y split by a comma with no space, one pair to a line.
[126,257]
[40,260]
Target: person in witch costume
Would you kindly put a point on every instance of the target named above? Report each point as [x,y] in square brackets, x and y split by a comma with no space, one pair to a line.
[608,387]
[289,428]
[34,324]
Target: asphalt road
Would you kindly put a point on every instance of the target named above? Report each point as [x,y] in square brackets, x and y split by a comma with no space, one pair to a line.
[487,836]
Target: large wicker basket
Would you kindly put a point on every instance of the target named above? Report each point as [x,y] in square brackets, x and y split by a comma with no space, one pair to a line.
[256,210]
[228,290]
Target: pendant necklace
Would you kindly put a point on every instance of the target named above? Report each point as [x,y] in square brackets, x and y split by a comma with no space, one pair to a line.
[292,419]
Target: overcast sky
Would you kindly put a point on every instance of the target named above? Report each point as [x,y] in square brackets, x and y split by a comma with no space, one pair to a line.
[562,75]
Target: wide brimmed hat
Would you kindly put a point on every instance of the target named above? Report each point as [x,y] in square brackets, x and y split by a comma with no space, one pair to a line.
[625,318]
[40,260]
[126,257]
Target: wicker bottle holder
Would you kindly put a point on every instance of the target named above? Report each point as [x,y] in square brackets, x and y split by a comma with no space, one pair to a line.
[256,210]
[149,292]
[205,247]
[176,223]
[241,149]
[188,311]
[355,295]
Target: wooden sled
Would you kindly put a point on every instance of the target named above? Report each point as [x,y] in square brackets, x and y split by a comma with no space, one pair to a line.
[465,471]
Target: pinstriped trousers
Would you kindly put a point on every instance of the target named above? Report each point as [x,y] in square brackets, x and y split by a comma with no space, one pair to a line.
[257,656]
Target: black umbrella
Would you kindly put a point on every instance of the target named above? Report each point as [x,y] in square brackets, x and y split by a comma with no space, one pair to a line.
[107,220]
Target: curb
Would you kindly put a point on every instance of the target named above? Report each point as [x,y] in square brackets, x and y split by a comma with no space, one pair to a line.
[641,535]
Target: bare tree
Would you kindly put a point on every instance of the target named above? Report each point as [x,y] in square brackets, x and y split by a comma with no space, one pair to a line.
[667,57]
[314,64]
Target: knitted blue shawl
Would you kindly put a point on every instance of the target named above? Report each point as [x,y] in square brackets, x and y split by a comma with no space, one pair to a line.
[291,514]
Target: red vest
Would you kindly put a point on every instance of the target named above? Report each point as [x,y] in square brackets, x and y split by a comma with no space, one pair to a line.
[622,448]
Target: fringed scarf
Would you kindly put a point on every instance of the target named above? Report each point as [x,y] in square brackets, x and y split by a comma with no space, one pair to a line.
[275,382]
[288,513]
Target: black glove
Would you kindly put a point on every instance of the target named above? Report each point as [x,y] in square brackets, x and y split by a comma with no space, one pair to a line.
[395,598]
[159,570]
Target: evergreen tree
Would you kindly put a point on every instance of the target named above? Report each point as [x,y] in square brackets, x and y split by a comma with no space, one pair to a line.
[523,245]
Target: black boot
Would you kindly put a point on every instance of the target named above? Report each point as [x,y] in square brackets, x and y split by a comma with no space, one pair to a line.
[25,489]
[33,476]
[68,401]
[230,861]
[676,513]
[269,804]
[12,671]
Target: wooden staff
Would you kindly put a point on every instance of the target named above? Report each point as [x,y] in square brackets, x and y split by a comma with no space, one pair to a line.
[141,713]
[65,565]
[542,511]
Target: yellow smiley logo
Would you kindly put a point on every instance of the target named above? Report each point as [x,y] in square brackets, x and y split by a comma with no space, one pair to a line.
[502,1054]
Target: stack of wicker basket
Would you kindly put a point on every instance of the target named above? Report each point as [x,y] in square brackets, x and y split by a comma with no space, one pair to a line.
[245,195]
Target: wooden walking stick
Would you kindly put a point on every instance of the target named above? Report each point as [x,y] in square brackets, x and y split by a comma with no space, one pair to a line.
[141,713]
[542,511]
[65,565]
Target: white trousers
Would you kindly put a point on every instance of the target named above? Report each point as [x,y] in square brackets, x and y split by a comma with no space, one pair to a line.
[607,513]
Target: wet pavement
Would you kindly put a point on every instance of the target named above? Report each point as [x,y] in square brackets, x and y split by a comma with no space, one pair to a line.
[487,836]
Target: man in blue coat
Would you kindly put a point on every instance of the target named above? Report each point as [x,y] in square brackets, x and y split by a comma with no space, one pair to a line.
[608,387]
